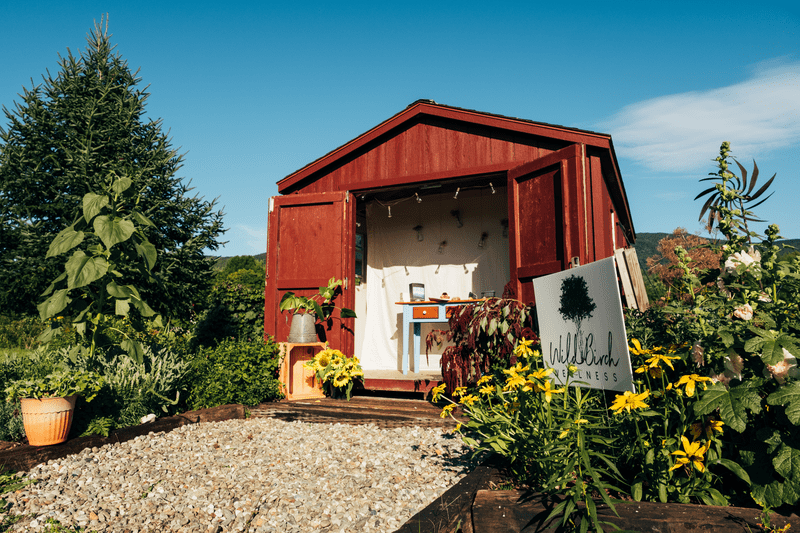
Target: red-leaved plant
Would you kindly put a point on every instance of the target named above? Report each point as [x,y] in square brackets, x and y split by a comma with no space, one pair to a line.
[484,335]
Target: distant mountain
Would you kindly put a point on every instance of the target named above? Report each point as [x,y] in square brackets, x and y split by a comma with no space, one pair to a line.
[222,261]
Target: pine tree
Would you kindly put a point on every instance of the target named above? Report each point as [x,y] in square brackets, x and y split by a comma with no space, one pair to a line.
[66,137]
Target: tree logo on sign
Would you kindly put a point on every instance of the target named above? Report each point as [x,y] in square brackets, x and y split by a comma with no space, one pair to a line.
[576,304]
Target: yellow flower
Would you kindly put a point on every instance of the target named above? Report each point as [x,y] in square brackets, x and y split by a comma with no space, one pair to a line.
[517,368]
[690,380]
[459,391]
[692,453]
[537,354]
[458,427]
[513,407]
[513,382]
[656,358]
[628,401]
[572,369]
[523,348]
[323,358]
[437,391]
[487,390]
[548,392]
[469,399]
[711,425]
[541,373]
[341,379]
[447,410]
[636,349]
[486,378]
[655,372]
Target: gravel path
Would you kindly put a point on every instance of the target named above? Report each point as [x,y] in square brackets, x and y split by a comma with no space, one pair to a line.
[259,475]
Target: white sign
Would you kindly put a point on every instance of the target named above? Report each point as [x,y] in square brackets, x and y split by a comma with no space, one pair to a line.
[581,324]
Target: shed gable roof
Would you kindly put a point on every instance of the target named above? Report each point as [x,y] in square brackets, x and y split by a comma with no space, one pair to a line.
[420,109]
[475,124]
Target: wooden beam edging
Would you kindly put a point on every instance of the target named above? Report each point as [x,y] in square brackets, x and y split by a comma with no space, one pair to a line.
[23,458]
[452,511]
[521,512]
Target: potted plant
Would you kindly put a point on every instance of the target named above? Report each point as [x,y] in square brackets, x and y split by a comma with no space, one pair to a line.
[48,403]
[309,311]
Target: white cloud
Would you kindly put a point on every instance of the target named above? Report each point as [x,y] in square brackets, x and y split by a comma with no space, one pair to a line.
[682,132]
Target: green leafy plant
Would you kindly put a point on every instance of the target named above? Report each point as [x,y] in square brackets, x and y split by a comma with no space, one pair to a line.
[114,233]
[714,414]
[730,199]
[11,427]
[58,384]
[235,309]
[336,372]
[320,304]
[554,437]
[739,329]
[134,389]
[101,425]
[19,332]
[235,371]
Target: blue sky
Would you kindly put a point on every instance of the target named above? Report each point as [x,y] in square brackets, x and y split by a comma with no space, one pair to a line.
[253,91]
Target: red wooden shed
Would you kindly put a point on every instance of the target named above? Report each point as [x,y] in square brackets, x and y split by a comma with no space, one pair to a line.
[460,200]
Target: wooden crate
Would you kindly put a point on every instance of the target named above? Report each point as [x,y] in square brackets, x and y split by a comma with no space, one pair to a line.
[299,381]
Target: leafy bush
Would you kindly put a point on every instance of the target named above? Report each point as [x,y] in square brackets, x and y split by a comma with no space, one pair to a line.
[19,332]
[236,310]
[236,371]
[11,422]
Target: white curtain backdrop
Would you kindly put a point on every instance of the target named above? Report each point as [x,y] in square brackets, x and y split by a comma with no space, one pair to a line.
[448,259]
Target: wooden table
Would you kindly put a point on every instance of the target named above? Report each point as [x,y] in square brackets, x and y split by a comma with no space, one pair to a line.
[423,311]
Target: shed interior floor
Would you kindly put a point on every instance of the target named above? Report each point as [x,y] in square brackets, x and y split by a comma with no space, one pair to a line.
[418,384]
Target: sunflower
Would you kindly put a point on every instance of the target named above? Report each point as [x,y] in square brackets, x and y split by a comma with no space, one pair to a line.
[655,360]
[340,379]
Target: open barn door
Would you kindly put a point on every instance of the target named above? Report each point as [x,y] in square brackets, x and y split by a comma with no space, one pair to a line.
[543,217]
[310,240]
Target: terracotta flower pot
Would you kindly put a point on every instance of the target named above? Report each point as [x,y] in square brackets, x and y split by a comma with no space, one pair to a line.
[48,420]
